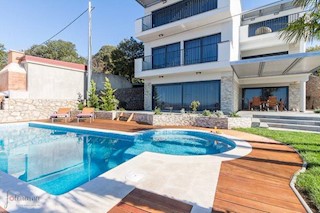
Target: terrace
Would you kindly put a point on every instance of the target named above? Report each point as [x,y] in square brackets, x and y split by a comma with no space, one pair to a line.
[263,178]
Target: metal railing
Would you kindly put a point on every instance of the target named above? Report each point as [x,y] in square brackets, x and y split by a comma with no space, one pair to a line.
[176,12]
[189,56]
[271,25]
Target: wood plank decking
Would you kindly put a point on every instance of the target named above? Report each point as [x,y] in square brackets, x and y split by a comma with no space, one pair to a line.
[142,201]
[258,182]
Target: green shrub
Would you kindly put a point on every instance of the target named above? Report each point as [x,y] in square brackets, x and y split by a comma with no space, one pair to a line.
[234,115]
[157,111]
[194,105]
[206,113]
[107,97]
[317,110]
[219,114]
[93,99]
[80,103]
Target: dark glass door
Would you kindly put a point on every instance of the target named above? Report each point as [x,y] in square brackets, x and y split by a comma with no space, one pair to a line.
[264,93]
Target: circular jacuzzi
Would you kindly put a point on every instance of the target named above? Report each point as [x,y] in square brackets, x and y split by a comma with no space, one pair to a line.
[182,142]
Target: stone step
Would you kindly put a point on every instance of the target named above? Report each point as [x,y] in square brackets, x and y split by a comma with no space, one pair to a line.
[295,126]
[291,121]
[305,118]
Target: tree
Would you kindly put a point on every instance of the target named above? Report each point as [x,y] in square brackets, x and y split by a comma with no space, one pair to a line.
[102,61]
[93,99]
[3,56]
[313,49]
[123,57]
[306,27]
[107,97]
[57,50]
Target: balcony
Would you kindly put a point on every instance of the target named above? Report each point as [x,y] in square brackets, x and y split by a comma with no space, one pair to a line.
[180,17]
[176,12]
[264,33]
[197,59]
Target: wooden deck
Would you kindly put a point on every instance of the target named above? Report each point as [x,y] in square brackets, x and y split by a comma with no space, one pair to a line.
[140,201]
[258,182]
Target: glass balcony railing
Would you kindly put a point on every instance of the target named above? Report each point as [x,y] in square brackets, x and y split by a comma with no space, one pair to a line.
[272,25]
[176,12]
[195,55]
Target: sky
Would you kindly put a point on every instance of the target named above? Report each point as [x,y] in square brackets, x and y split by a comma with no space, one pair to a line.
[24,23]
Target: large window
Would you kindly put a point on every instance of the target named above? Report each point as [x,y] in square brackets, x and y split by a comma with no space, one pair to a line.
[264,93]
[266,55]
[181,10]
[272,25]
[166,56]
[201,50]
[180,95]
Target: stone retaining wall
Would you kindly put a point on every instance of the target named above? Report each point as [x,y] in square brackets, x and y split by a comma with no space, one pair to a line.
[131,98]
[200,121]
[313,92]
[15,110]
[176,119]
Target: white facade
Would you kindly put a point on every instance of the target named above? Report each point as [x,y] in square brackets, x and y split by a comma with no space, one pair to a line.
[236,45]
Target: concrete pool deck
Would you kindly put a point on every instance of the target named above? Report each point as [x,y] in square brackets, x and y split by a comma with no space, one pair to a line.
[256,182]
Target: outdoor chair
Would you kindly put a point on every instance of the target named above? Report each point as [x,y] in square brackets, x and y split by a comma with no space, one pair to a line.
[256,102]
[87,113]
[282,106]
[126,117]
[62,113]
[272,103]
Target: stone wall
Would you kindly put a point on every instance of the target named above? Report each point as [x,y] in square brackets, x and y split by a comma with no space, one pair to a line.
[313,92]
[201,121]
[227,94]
[177,119]
[147,96]
[294,97]
[236,96]
[131,98]
[15,110]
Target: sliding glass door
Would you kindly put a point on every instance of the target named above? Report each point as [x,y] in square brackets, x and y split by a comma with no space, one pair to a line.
[264,93]
[180,95]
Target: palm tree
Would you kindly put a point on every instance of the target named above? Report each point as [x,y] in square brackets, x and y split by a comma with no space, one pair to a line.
[306,27]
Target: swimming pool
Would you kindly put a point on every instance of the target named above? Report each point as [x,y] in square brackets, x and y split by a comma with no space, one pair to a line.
[58,159]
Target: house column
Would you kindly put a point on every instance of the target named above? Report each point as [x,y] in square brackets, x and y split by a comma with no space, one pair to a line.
[303,96]
[147,96]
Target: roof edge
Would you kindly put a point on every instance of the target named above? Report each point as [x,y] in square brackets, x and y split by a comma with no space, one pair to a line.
[57,63]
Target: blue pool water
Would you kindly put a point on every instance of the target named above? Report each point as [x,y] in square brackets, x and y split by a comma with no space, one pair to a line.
[58,159]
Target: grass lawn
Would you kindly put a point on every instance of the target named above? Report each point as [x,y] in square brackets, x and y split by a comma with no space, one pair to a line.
[308,145]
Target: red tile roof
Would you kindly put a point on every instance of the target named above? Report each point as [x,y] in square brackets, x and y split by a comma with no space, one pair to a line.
[70,65]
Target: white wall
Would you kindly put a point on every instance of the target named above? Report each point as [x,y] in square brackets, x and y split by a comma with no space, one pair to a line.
[117,82]
[188,78]
[49,82]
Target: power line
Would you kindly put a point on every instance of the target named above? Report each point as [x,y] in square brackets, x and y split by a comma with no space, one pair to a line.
[63,29]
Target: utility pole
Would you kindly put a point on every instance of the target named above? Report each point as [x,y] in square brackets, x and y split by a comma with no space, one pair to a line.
[89,67]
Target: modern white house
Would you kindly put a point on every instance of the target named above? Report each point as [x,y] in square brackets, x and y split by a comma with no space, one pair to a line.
[213,52]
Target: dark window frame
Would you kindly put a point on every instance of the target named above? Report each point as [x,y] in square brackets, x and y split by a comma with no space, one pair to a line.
[166,54]
[284,20]
[201,49]
[262,88]
[181,10]
[265,55]
[218,82]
